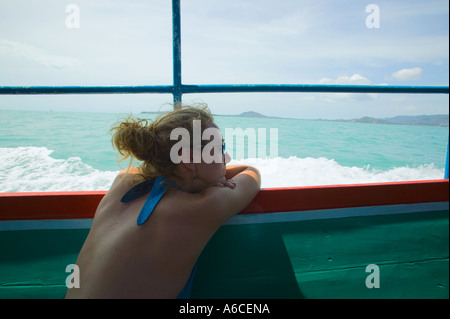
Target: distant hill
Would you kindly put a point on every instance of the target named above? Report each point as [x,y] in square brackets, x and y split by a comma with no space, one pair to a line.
[252,114]
[244,114]
[431,120]
[427,120]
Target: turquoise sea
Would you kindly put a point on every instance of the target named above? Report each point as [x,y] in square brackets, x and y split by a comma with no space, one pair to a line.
[63,151]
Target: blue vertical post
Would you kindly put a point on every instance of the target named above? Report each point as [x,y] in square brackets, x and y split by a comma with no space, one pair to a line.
[176,32]
[446,161]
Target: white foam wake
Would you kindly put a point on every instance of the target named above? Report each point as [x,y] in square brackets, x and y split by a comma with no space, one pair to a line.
[32,169]
[294,171]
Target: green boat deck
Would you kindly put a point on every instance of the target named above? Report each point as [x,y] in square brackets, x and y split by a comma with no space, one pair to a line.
[324,258]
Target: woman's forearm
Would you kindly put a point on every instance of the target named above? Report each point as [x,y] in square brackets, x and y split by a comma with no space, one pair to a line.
[235,170]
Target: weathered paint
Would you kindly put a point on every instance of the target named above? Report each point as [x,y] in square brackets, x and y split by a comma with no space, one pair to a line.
[311,242]
[304,259]
[79,205]
[327,259]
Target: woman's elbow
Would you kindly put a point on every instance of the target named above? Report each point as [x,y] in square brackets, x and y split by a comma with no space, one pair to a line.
[255,175]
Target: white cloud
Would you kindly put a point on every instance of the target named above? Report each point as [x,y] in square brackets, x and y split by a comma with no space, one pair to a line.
[407,74]
[14,48]
[355,79]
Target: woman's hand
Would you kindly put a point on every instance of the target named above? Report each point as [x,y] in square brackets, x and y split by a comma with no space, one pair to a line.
[232,171]
[224,183]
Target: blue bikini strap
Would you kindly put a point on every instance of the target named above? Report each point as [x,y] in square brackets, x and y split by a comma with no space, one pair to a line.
[158,190]
[137,191]
[157,186]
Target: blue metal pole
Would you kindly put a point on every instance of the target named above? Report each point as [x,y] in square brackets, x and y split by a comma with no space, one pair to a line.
[446,161]
[313,88]
[34,90]
[176,31]
[178,89]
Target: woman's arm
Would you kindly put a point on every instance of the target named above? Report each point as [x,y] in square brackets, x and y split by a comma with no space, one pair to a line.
[218,204]
[234,170]
[231,172]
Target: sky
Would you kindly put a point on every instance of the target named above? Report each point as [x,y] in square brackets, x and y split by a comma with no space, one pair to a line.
[106,42]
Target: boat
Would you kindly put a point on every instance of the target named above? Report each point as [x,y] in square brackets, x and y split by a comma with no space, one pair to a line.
[359,241]
[384,240]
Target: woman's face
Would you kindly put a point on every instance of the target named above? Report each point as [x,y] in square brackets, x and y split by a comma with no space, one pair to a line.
[212,167]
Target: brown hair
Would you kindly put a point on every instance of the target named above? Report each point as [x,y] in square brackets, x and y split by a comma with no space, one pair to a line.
[149,141]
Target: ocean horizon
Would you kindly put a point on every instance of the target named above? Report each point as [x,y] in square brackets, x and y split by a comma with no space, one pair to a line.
[72,151]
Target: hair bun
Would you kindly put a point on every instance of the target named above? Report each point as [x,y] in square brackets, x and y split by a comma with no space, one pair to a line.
[135,137]
[149,141]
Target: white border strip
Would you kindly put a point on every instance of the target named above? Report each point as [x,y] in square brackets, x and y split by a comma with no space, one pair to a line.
[336,213]
[245,219]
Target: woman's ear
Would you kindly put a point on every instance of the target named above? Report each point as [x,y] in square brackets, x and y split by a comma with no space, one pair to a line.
[189,165]
[190,169]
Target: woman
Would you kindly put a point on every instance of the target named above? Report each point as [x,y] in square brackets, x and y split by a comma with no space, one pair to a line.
[152,225]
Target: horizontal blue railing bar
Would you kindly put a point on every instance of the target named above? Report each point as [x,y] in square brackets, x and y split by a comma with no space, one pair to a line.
[313,88]
[238,88]
[8,90]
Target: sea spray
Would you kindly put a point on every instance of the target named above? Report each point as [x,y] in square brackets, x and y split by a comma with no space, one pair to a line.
[293,172]
[33,169]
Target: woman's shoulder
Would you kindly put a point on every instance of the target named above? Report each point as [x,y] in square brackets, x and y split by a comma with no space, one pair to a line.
[129,172]
[129,176]
[123,182]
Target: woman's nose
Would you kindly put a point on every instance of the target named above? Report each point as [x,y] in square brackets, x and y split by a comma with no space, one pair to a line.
[227,157]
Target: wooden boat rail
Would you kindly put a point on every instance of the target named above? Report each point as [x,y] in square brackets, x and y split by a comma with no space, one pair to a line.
[79,205]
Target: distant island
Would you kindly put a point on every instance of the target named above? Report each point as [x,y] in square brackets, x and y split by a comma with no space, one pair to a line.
[252,115]
[427,120]
[244,114]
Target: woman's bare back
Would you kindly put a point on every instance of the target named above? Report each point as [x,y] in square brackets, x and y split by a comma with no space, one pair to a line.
[154,260]
[146,261]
